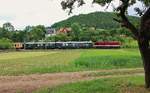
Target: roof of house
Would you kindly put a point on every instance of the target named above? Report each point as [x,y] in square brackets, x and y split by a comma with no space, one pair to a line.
[64,30]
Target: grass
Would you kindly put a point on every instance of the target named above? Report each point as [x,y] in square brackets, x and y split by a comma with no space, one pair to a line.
[112,85]
[115,72]
[16,63]
[31,62]
[109,59]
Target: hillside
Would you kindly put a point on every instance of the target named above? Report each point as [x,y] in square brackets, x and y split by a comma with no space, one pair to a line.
[102,20]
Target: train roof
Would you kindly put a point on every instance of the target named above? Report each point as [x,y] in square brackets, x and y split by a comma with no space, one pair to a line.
[59,42]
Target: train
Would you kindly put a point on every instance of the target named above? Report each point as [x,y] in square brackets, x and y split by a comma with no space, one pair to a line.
[67,45]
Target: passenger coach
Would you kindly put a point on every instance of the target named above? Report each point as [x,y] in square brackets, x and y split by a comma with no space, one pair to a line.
[56,45]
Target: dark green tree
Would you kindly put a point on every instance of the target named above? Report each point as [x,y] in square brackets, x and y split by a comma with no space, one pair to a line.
[61,37]
[37,33]
[4,33]
[75,31]
[17,36]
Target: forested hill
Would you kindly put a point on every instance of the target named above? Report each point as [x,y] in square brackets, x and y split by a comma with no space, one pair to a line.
[102,20]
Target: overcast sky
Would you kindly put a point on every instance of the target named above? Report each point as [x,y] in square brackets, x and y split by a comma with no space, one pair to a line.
[45,12]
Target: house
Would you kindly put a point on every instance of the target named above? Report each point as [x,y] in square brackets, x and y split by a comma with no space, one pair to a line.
[50,32]
[64,30]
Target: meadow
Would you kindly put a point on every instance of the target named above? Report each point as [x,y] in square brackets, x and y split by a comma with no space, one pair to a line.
[51,61]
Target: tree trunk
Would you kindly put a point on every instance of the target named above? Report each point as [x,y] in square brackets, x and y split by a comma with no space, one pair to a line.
[144,47]
[145,53]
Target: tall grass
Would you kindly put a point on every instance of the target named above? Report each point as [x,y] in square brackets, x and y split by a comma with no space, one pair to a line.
[108,62]
[108,59]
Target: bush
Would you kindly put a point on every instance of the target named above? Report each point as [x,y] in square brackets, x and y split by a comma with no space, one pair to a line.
[6,43]
[129,43]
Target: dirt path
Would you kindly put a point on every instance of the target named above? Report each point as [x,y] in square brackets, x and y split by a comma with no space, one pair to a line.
[29,83]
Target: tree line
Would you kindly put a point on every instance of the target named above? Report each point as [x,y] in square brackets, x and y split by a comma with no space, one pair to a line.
[30,33]
[77,33]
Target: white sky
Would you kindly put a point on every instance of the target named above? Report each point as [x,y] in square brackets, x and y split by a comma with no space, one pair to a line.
[46,12]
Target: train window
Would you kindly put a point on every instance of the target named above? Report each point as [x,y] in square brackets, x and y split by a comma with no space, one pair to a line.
[73,45]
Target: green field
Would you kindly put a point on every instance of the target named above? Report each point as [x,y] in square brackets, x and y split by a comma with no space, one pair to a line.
[50,61]
[134,84]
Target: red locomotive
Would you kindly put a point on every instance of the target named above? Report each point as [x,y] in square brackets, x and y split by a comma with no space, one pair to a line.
[107,44]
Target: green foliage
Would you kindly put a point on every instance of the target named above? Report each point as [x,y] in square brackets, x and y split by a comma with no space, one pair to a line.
[79,33]
[34,33]
[4,33]
[99,20]
[104,35]
[18,36]
[37,33]
[76,30]
[5,43]
[51,38]
[61,37]
[129,42]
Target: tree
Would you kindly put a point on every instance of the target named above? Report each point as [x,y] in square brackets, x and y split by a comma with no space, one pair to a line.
[28,28]
[61,37]
[37,33]
[76,29]
[4,33]
[141,33]
[18,36]
[8,26]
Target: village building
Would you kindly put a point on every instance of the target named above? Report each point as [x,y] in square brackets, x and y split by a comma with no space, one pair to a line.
[50,31]
[64,30]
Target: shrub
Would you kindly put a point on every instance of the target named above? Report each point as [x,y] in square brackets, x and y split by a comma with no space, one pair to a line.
[6,43]
[130,43]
